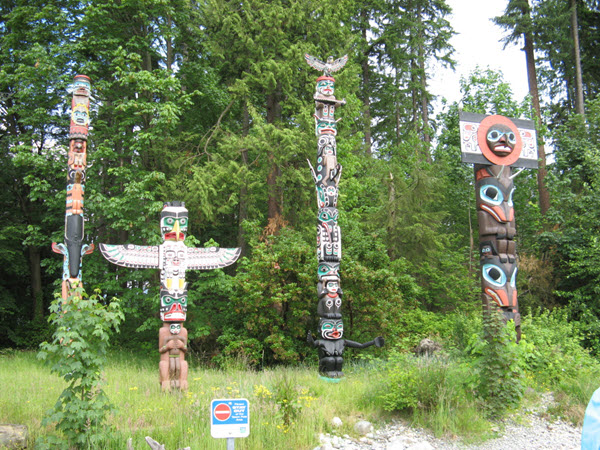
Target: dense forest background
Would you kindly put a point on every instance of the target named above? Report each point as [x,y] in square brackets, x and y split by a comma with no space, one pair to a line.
[210,102]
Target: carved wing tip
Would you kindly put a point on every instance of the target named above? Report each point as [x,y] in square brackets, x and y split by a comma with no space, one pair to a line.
[314,62]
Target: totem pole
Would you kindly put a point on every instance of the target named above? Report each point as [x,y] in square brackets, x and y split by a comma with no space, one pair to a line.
[496,144]
[173,258]
[73,248]
[329,240]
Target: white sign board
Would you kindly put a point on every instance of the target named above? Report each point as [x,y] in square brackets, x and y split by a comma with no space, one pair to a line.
[470,141]
[230,418]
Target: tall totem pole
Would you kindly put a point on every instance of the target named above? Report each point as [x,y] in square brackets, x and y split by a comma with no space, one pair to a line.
[73,248]
[331,344]
[496,144]
[173,258]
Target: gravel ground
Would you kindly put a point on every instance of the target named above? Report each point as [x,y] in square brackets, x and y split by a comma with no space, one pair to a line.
[531,431]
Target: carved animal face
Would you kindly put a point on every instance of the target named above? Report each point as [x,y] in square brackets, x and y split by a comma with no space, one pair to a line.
[495,197]
[499,281]
[175,328]
[173,306]
[328,269]
[331,329]
[328,216]
[173,222]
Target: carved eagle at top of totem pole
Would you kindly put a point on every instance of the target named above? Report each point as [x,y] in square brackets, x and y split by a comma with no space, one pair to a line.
[327,67]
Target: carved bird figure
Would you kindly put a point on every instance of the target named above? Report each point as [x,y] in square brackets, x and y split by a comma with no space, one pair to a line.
[328,67]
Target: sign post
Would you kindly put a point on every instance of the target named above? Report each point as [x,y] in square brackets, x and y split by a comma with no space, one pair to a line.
[230,419]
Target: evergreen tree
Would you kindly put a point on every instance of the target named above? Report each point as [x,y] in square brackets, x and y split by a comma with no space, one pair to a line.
[35,69]
[517,19]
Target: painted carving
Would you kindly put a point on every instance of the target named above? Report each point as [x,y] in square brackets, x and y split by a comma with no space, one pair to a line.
[496,144]
[172,346]
[173,258]
[73,248]
[326,176]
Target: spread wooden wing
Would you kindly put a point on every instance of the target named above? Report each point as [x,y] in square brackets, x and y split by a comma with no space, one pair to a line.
[128,255]
[339,63]
[315,63]
[211,258]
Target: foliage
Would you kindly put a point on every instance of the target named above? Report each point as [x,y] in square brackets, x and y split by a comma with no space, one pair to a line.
[500,384]
[435,390]
[210,103]
[286,397]
[78,354]
[556,351]
[179,421]
[573,243]
[270,302]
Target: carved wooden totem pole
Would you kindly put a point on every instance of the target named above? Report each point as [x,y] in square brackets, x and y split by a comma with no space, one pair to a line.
[73,248]
[496,144]
[173,258]
[331,343]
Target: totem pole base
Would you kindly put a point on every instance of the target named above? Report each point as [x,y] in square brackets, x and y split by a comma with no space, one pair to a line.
[330,380]
[173,368]
[507,313]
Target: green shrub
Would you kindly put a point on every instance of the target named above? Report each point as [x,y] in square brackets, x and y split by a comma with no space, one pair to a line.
[556,348]
[78,353]
[436,391]
[500,384]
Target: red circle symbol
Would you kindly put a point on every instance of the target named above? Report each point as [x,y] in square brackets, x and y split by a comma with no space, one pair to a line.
[222,412]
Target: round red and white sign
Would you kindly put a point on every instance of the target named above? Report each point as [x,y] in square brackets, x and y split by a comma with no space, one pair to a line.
[222,412]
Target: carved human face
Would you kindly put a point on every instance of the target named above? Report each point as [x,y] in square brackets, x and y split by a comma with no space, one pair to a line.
[80,115]
[173,223]
[332,288]
[326,145]
[175,328]
[331,328]
[326,87]
[501,140]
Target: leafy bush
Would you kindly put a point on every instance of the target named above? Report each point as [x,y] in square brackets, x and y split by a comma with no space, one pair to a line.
[500,374]
[270,305]
[436,391]
[78,353]
[555,351]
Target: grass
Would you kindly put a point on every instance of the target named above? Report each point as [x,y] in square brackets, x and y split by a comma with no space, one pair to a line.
[177,420]
[289,406]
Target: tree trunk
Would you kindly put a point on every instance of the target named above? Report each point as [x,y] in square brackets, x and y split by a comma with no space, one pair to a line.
[274,194]
[579,105]
[392,217]
[533,90]
[169,40]
[243,209]
[36,282]
[366,84]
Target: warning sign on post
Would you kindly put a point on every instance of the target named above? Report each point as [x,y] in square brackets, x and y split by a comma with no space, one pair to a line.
[230,418]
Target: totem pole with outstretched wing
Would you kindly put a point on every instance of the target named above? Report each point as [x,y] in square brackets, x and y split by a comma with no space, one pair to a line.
[173,258]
